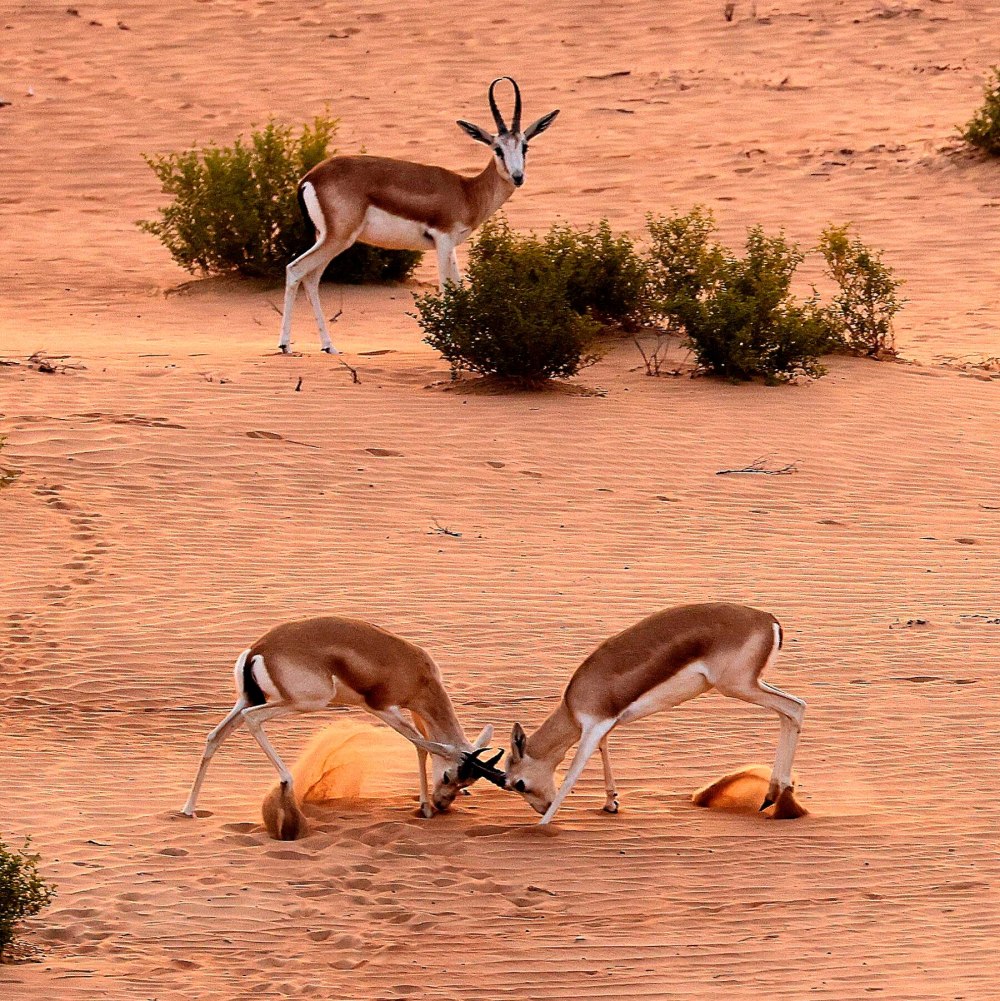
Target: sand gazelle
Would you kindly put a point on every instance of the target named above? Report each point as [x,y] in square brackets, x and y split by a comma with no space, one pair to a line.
[660,662]
[334,661]
[401,205]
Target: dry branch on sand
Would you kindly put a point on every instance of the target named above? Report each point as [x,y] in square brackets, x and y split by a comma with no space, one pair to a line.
[759,466]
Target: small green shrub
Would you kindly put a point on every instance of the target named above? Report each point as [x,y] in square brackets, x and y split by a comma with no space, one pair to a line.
[23,892]
[511,317]
[235,208]
[606,278]
[685,260]
[861,314]
[739,315]
[983,130]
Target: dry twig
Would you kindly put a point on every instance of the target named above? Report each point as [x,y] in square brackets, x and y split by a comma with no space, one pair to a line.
[758,466]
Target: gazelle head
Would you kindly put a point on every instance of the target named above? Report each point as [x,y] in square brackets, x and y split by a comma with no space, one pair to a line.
[533,778]
[509,145]
[452,775]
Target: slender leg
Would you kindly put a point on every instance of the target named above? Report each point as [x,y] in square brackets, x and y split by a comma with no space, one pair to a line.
[611,803]
[233,721]
[454,275]
[254,717]
[425,799]
[312,262]
[791,711]
[447,262]
[311,283]
[589,742]
[394,718]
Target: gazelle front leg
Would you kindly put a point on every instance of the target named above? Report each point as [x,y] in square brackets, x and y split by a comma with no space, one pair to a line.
[394,718]
[611,803]
[447,261]
[589,742]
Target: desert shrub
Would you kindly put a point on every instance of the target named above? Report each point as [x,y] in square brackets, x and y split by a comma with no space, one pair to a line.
[741,320]
[684,261]
[606,278]
[511,317]
[983,130]
[235,208]
[862,311]
[23,892]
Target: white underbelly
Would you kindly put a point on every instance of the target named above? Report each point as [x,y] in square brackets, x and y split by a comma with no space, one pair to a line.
[381,229]
[688,683]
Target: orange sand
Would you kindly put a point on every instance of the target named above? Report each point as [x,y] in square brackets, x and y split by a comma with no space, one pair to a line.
[179,497]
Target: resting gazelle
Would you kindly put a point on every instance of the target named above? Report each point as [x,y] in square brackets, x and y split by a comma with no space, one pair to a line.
[658,663]
[403,205]
[334,661]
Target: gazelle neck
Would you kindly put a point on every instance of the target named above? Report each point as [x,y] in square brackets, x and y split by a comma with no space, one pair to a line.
[555,736]
[488,190]
[436,710]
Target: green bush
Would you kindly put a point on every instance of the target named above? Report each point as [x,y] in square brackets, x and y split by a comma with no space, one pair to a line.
[511,317]
[983,130]
[235,208]
[684,261]
[23,892]
[739,315]
[862,312]
[606,278]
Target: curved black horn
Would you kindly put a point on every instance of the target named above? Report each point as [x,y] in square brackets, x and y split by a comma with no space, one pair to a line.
[472,766]
[515,126]
[497,117]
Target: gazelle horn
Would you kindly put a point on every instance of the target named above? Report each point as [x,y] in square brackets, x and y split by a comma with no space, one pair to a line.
[497,117]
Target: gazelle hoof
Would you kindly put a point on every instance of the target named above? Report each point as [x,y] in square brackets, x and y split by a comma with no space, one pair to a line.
[284,349]
[331,350]
[767,802]
[611,807]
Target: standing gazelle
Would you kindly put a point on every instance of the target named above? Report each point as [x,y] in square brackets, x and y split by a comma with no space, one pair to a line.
[660,662]
[333,661]
[402,205]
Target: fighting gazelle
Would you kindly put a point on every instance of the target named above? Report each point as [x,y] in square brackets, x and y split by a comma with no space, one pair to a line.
[334,661]
[660,662]
[402,205]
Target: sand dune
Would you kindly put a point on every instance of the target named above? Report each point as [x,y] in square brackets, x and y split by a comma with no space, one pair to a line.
[179,497]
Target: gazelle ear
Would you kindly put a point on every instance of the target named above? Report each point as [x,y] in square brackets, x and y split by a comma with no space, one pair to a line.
[518,742]
[484,738]
[541,125]
[475,132]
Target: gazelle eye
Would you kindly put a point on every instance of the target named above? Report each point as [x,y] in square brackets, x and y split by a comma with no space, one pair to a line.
[446,778]
[520,786]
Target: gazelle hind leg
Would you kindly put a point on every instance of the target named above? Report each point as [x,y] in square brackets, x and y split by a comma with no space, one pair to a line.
[592,736]
[611,803]
[311,282]
[254,717]
[233,721]
[791,711]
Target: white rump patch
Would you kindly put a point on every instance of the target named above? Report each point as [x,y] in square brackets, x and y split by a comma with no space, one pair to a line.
[260,675]
[315,210]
